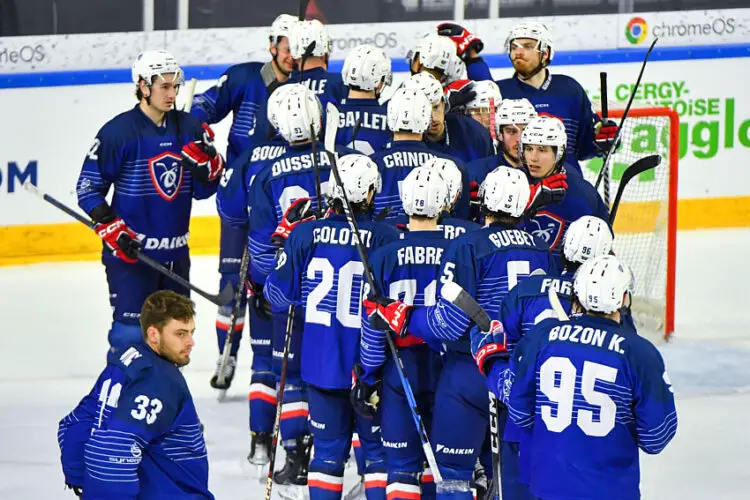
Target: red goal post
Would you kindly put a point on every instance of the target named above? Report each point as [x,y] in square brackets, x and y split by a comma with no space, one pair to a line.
[646,225]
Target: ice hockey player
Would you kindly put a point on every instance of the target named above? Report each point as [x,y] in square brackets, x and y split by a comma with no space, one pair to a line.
[367,71]
[525,305]
[530,48]
[468,47]
[452,134]
[593,392]
[486,95]
[408,119]
[158,159]
[407,270]
[321,270]
[432,54]
[310,46]
[486,263]
[137,434]
[542,150]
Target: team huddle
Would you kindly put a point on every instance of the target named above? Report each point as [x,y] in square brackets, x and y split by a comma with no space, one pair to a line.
[366,238]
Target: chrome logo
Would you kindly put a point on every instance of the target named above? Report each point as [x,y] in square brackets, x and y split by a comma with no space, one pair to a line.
[637,30]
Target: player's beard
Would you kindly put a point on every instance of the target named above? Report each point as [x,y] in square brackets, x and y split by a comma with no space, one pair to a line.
[179,358]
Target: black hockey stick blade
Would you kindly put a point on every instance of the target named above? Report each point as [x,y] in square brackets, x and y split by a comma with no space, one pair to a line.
[641,165]
[461,299]
[223,298]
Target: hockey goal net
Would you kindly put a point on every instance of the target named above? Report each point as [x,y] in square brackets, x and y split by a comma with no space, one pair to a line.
[646,223]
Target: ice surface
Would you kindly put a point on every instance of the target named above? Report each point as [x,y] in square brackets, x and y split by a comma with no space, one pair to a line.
[54,326]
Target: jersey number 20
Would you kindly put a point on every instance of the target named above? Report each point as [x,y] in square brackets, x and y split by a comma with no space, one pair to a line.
[344,279]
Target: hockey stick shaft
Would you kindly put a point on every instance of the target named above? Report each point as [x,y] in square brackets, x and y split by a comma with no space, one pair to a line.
[611,151]
[316,169]
[332,116]
[641,165]
[221,299]
[495,441]
[279,401]
[603,94]
[239,290]
[557,307]
[191,93]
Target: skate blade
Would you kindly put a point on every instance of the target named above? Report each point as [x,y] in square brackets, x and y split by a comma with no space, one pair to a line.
[291,491]
[222,396]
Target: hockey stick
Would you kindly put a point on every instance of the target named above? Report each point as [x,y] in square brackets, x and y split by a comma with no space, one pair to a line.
[316,169]
[554,301]
[638,167]
[611,151]
[223,298]
[331,129]
[191,93]
[239,290]
[605,115]
[493,132]
[279,402]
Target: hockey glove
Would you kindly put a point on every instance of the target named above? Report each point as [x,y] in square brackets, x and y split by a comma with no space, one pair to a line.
[120,239]
[201,157]
[77,490]
[257,301]
[459,96]
[549,190]
[606,131]
[298,212]
[495,346]
[468,45]
[474,192]
[363,396]
[385,313]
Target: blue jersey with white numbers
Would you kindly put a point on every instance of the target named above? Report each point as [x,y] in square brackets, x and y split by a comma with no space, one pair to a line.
[562,97]
[321,270]
[153,193]
[486,263]
[242,92]
[407,270]
[465,139]
[396,161]
[232,197]
[593,392]
[136,434]
[373,132]
[551,222]
[329,87]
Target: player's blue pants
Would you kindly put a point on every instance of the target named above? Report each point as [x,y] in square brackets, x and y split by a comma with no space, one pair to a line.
[332,422]
[403,448]
[129,286]
[461,396]
[294,409]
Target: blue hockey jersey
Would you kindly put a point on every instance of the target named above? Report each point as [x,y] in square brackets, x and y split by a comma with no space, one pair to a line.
[593,393]
[552,221]
[562,97]
[329,87]
[232,197]
[451,227]
[136,434]
[465,139]
[406,270]
[321,270]
[373,132]
[241,91]
[394,164]
[478,169]
[153,193]
[486,263]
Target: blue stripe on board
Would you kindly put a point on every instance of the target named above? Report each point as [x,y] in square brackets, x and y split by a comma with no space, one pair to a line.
[208,72]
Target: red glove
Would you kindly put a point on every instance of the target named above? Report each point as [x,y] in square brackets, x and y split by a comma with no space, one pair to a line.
[605,135]
[298,212]
[385,313]
[121,240]
[474,191]
[468,45]
[492,349]
[549,190]
[201,158]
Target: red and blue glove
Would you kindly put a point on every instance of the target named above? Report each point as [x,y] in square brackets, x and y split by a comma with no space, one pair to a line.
[121,240]
[468,45]
[549,190]
[388,314]
[606,131]
[201,157]
[298,212]
[494,349]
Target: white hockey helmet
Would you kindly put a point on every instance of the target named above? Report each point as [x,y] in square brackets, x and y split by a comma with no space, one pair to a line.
[600,284]
[456,70]
[281,27]
[275,103]
[409,110]
[486,90]
[586,238]
[514,112]
[505,190]
[545,131]
[151,63]
[429,86]
[365,67]
[359,174]
[303,33]
[434,51]
[299,110]
[451,175]
[424,192]
[533,31]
